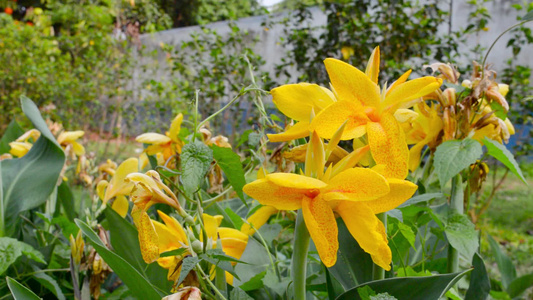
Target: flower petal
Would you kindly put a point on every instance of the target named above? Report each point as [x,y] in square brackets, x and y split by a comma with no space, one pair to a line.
[328,121]
[290,180]
[174,226]
[400,191]
[166,237]
[268,193]
[411,89]
[414,154]
[121,205]
[233,241]
[148,239]
[296,100]
[356,184]
[352,85]
[368,230]
[117,185]
[399,81]
[175,127]
[211,224]
[258,219]
[296,131]
[388,146]
[322,226]
[372,68]
[69,136]
[152,138]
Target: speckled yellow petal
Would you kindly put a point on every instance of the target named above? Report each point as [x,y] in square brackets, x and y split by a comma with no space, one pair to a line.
[258,219]
[350,84]
[368,230]
[400,191]
[148,239]
[174,226]
[328,121]
[296,100]
[69,136]
[296,131]
[372,68]
[388,146]
[400,80]
[175,127]
[152,138]
[350,160]
[412,89]
[268,193]
[117,185]
[290,180]
[322,226]
[356,184]
[405,115]
[121,205]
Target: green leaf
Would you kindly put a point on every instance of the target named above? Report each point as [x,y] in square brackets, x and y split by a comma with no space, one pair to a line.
[220,255]
[454,156]
[230,163]
[49,283]
[506,267]
[138,285]
[235,218]
[354,265]
[13,132]
[410,288]
[528,16]
[272,281]
[175,252]
[239,294]
[407,233]
[498,110]
[187,265]
[66,198]
[501,153]
[479,288]
[462,235]
[254,283]
[31,178]
[19,291]
[11,249]
[196,160]
[67,227]
[519,285]
[421,198]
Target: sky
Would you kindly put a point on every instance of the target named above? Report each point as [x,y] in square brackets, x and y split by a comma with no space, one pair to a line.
[269,2]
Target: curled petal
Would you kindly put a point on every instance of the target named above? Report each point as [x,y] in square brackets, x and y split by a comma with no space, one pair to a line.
[322,226]
[269,193]
[328,121]
[297,100]
[297,131]
[175,128]
[233,241]
[211,224]
[411,90]
[400,191]
[69,136]
[414,154]
[356,184]
[352,85]
[153,138]
[399,81]
[19,149]
[174,226]
[388,146]
[117,185]
[368,230]
[372,68]
[121,205]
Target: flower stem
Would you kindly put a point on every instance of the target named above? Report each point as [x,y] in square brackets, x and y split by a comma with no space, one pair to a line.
[378,272]
[456,204]
[299,256]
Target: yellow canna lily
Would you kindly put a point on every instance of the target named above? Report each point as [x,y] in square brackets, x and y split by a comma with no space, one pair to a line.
[22,144]
[68,140]
[299,102]
[168,144]
[366,110]
[356,194]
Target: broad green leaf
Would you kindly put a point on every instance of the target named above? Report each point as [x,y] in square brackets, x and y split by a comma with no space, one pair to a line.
[239,294]
[175,252]
[196,160]
[528,16]
[138,285]
[28,181]
[188,264]
[19,291]
[407,233]
[50,283]
[12,133]
[479,288]
[235,218]
[230,163]
[125,241]
[519,285]
[454,156]
[410,288]
[501,153]
[66,198]
[462,235]
[272,281]
[254,283]
[506,267]
[67,227]
[257,258]
[11,249]
[421,198]
[354,265]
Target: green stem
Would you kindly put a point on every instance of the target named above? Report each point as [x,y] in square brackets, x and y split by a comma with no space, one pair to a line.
[378,272]
[457,205]
[299,256]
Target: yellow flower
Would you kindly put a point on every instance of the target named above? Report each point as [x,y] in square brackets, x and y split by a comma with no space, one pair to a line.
[67,140]
[299,102]
[22,144]
[356,194]
[168,144]
[366,110]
